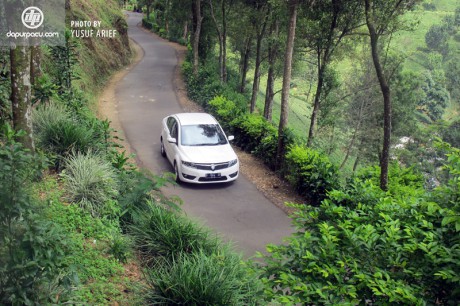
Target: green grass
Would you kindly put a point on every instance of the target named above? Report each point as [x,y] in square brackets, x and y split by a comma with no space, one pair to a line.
[100,273]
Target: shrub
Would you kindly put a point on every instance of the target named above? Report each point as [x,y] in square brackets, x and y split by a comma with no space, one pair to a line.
[32,250]
[89,181]
[203,279]
[58,133]
[311,173]
[250,129]
[160,233]
[225,110]
[386,248]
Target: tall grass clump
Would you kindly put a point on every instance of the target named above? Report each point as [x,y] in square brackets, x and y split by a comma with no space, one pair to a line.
[203,279]
[163,234]
[58,133]
[90,181]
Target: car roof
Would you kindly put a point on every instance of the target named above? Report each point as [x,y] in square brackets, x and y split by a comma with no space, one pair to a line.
[195,118]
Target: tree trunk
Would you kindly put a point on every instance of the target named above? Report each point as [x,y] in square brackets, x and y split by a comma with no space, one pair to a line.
[224,42]
[21,94]
[385,88]
[35,64]
[272,55]
[286,81]
[245,64]
[256,83]
[185,34]
[314,114]
[196,36]
[220,36]
[355,133]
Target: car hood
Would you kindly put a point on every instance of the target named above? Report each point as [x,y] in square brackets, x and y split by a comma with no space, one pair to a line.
[208,154]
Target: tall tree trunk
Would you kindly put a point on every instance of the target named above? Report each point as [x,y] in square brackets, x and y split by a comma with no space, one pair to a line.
[245,64]
[286,81]
[385,88]
[196,36]
[185,33]
[355,133]
[257,73]
[314,114]
[21,93]
[224,41]
[272,55]
[221,38]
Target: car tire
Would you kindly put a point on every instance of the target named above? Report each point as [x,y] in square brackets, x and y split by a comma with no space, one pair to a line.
[176,173]
[162,149]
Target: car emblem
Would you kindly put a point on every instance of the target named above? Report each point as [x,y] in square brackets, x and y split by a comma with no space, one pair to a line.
[213,167]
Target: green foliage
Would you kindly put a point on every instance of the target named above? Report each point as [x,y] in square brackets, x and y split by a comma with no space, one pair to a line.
[435,100]
[32,250]
[224,109]
[381,248]
[437,38]
[203,279]
[137,189]
[163,234]
[250,129]
[59,134]
[89,181]
[311,173]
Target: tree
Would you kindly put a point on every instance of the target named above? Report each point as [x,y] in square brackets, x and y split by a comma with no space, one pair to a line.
[221,28]
[262,11]
[327,23]
[20,65]
[292,7]
[382,18]
[198,20]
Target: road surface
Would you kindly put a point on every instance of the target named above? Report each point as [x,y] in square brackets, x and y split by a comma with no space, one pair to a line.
[238,211]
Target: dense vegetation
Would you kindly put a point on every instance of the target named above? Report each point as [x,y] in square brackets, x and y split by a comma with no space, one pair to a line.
[76,214]
[365,237]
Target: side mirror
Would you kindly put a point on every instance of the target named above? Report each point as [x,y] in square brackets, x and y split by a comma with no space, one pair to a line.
[230,138]
[172,140]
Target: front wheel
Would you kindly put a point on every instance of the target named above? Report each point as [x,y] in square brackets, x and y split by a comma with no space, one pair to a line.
[162,149]
[176,173]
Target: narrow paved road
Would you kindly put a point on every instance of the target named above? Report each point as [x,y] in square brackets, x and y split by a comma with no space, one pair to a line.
[238,211]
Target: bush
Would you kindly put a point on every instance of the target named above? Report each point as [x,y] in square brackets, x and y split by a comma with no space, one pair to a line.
[89,181]
[384,248]
[203,279]
[225,110]
[59,134]
[250,129]
[162,234]
[32,250]
[311,173]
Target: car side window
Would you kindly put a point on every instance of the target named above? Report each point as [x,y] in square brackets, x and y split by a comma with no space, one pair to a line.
[170,123]
[174,130]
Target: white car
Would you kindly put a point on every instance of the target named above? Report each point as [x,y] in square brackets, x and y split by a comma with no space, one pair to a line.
[198,149]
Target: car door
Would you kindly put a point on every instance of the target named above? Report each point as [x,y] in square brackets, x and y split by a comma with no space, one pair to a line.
[171,148]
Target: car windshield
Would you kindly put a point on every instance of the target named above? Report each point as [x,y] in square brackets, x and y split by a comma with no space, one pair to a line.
[202,135]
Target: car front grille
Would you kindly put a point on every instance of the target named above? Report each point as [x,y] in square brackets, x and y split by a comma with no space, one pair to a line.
[209,167]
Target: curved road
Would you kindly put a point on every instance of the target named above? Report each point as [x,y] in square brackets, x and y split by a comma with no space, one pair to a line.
[238,211]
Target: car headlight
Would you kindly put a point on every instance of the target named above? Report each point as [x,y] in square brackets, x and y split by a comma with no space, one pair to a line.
[232,162]
[188,164]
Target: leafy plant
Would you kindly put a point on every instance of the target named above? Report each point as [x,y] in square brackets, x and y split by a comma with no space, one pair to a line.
[311,173]
[89,181]
[203,279]
[32,250]
[161,233]
[382,248]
